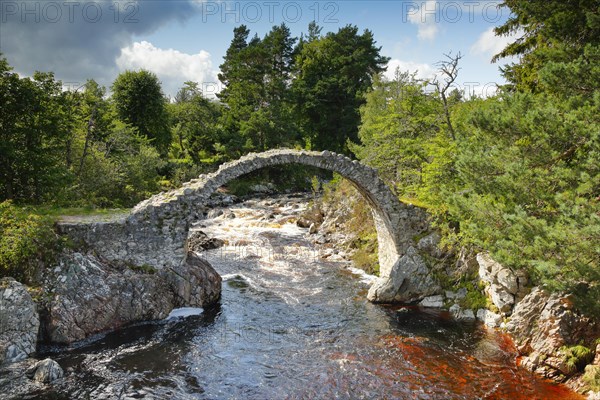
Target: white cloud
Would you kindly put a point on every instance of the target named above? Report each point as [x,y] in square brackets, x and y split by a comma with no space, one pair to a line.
[426,17]
[171,66]
[488,44]
[424,71]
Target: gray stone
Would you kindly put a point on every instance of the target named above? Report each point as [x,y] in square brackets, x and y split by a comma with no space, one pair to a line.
[462,314]
[543,323]
[304,222]
[198,241]
[97,297]
[266,188]
[159,225]
[45,371]
[501,298]
[489,318]
[19,322]
[195,282]
[214,213]
[430,245]
[410,280]
[433,301]
[458,295]
[504,284]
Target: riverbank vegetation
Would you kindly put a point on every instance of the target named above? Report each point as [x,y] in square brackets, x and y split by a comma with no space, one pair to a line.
[516,174]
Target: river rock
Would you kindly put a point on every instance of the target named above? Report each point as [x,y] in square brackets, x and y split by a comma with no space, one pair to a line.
[19,322]
[432,302]
[214,213]
[195,282]
[489,318]
[431,244]
[303,222]
[462,314]
[263,188]
[45,371]
[88,296]
[501,298]
[458,295]
[543,323]
[198,241]
[505,287]
[409,280]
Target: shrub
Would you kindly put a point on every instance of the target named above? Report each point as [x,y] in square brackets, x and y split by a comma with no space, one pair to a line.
[27,243]
[592,377]
[577,357]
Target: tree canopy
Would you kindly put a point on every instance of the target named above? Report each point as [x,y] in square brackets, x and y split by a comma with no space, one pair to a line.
[140,102]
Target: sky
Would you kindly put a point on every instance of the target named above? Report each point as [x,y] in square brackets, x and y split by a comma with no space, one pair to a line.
[185,40]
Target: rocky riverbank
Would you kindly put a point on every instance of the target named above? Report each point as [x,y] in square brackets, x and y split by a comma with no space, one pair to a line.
[83,295]
[553,338]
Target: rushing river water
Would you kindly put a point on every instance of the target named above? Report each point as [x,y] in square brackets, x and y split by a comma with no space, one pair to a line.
[293,325]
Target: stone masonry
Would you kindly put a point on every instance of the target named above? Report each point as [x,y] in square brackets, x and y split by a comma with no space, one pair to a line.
[155,231]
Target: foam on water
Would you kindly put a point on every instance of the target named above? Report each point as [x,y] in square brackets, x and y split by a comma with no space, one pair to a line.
[184,312]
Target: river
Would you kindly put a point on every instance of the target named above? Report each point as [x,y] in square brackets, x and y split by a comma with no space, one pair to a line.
[293,325]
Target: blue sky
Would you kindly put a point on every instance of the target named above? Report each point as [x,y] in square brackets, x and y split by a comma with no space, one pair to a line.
[186,39]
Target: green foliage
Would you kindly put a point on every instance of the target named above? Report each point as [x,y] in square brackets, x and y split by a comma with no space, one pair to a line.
[577,357]
[528,177]
[140,102]
[195,129]
[284,178]
[475,298]
[27,243]
[34,136]
[399,122]
[549,31]
[119,171]
[519,177]
[592,377]
[256,75]
[333,73]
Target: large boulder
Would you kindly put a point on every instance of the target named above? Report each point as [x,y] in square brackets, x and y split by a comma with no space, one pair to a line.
[87,296]
[19,322]
[45,371]
[543,325]
[195,282]
[409,280]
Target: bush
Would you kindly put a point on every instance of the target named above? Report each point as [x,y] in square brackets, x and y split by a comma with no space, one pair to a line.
[577,357]
[28,242]
[592,377]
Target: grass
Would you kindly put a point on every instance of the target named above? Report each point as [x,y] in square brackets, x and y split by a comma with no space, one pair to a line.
[77,214]
[57,212]
[413,201]
[577,357]
[592,377]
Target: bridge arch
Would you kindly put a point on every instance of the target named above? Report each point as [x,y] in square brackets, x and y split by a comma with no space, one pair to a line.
[156,230]
[390,215]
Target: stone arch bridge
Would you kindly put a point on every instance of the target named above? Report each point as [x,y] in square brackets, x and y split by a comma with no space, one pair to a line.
[155,231]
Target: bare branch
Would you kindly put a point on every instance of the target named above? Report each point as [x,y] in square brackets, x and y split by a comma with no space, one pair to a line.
[449,70]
